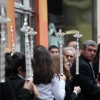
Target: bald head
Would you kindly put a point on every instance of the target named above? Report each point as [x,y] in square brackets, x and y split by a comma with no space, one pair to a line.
[72,44]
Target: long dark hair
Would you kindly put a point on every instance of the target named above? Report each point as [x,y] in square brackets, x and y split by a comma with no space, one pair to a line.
[43,72]
[56,61]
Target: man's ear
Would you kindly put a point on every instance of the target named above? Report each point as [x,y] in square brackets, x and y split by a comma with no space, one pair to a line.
[82,51]
[19,70]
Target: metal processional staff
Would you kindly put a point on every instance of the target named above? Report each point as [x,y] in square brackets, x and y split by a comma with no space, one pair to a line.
[3,21]
[99,59]
[12,38]
[31,34]
[29,72]
[77,36]
[61,34]
[99,63]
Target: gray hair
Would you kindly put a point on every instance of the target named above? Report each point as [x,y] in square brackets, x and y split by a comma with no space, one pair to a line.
[69,48]
[89,43]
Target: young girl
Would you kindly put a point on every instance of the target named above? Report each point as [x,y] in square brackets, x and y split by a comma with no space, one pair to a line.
[16,72]
[49,84]
[66,71]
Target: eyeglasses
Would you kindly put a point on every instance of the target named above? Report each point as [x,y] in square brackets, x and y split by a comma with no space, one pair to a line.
[69,56]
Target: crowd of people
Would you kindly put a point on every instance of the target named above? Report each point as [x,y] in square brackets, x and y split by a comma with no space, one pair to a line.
[47,82]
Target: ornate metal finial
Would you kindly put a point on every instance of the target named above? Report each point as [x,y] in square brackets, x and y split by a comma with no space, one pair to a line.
[31,33]
[60,34]
[12,38]
[2,11]
[3,20]
[29,72]
[77,35]
[25,27]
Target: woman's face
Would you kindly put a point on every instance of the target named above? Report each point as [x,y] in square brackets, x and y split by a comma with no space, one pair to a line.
[66,64]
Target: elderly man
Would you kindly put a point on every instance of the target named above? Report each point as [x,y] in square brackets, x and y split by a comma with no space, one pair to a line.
[70,54]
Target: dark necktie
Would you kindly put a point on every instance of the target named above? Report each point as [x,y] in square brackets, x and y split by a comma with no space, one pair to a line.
[92,69]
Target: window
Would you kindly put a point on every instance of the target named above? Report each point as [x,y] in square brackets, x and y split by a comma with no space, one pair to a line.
[70,16]
[23,7]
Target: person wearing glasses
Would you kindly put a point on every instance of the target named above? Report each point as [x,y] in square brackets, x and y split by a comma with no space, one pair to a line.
[70,54]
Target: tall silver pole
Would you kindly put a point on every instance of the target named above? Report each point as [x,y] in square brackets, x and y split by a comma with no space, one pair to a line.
[12,38]
[98,20]
[3,20]
[99,57]
[61,34]
[26,28]
[77,36]
[31,34]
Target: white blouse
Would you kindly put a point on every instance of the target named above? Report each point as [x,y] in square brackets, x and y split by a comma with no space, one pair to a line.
[55,89]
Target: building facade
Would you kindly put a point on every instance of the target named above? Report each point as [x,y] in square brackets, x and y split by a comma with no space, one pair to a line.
[46,17]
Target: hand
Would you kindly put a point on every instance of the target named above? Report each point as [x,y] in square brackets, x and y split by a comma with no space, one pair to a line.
[97,79]
[63,77]
[98,83]
[7,50]
[36,92]
[28,85]
[77,89]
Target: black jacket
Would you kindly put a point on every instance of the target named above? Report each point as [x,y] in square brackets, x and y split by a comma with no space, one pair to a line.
[6,91]
[17,84]
[86,80]
[69,95]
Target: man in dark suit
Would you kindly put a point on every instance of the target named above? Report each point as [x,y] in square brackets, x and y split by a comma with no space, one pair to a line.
[86,80]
